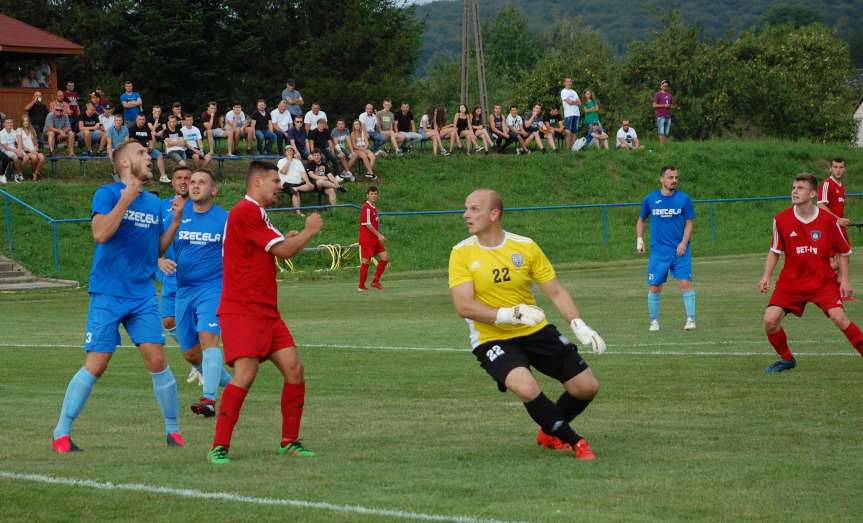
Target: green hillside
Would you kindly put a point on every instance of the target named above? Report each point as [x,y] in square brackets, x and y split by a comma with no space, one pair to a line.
[715,169]
[621,21]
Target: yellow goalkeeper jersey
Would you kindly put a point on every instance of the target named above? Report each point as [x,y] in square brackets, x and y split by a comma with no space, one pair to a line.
[501,277]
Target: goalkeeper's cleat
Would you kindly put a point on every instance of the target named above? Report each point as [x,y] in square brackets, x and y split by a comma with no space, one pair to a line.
[64,444]
[175,439]
[295,449]
[377,285]
[583,451]
[781,365]
[218,456]
[654,326]
[194,375]
[551,442]
[204,407]
[690,324]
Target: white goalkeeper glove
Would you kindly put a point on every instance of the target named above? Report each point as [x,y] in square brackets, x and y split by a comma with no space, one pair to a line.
[194,376]
[639,245]
[521,314]
[587,336]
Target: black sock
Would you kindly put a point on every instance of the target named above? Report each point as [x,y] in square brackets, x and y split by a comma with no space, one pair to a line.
[551,418]
[572,406]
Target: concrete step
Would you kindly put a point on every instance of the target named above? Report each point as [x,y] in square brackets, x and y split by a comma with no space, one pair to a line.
[6,266]
[17,279]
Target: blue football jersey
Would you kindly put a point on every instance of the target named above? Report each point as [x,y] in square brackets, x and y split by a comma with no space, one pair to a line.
[125,264]
[668,216]
[198,246]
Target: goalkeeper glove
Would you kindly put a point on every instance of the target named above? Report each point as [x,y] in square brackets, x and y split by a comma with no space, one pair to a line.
[639,244]
[587,336]
[521,314]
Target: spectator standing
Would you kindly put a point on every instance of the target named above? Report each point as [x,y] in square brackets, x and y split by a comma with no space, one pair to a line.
[237,126]
[626,137]
[37,111]
[663,102]
[297,137]
[293,99]
[141,133]
[282,121]
[263,126]
[310,120]
[132,103]
[58,128]
[194,143]
[97,101]
[386,124]
[212,125]
[117,134]
[500,132]
[428,132]
[571,113]
[406,128]
[28,141]
[90,130]
[590,108]
[359,142]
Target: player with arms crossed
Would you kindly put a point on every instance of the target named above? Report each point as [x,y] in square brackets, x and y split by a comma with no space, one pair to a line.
[126,229]
[252,328]
[831,198]
[808,237]
[490,276]
[197,234]
[371,242]
[671,214]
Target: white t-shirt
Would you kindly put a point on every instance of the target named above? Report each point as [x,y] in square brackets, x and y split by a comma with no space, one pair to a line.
[283,121]
[26,139]
[312,118]
[369,121]
[106,121]
[294,171]
[192,136]
[514,122]
[231,116]
[627,136]
[424,122]
[7,139]
[569,110]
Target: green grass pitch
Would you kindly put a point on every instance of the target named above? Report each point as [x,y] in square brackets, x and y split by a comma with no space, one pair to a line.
[686,426]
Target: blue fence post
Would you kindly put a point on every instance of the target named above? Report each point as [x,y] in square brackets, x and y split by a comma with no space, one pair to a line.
[605,226]
[56,235]
[712,223]
[8,210]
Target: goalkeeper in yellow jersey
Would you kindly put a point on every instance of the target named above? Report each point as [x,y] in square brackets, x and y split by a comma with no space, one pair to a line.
[490,276]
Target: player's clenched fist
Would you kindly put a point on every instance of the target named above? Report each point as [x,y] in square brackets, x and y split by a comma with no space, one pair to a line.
[314,223]
[764,284]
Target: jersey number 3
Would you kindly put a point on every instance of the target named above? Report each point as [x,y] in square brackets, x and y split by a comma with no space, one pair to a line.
[501,275]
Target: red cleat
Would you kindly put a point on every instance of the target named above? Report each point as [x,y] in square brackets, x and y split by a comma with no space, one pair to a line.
[64,444]
[551,442]
[583,451]
[377,285]
[175,439]
[204,407]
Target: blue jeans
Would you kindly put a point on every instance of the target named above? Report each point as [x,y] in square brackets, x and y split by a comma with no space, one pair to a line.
[377,139]
[663,125]
[570,123]
[265,141]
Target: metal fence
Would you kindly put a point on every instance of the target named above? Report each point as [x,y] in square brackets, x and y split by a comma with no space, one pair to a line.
[9,199]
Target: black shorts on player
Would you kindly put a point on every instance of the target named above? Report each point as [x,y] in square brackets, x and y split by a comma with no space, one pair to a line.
[547,350]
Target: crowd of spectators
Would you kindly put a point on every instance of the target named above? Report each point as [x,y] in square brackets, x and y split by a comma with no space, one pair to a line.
[95,127]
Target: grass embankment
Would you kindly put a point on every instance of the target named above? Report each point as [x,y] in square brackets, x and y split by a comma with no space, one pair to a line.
[716,169]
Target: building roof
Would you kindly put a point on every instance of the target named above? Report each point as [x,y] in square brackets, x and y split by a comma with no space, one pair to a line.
[18,37]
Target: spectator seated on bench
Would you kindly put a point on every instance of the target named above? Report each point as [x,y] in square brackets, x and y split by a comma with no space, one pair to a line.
[295,180]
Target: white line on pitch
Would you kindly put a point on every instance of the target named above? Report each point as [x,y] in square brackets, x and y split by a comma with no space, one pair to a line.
[227,496]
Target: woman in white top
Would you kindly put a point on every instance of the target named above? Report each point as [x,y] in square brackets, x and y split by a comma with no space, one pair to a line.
[292,172]
[428,132]
[359,142]
[29,143]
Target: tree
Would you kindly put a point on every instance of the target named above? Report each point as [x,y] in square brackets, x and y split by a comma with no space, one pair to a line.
[796,15]
[509,45]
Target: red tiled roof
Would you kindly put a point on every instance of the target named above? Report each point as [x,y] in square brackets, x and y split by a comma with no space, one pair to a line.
[18,37]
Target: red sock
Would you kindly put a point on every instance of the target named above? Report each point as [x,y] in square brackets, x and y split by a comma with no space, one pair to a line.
[780,344]
[852,332]
[293,397]
[382,266]
[229,413]
[364,274]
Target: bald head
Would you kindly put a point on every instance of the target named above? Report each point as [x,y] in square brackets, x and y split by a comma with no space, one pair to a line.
[488,199]
[483,210]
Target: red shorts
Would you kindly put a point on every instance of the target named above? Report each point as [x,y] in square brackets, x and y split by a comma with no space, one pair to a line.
[371,248]
[794,302]
[253,337]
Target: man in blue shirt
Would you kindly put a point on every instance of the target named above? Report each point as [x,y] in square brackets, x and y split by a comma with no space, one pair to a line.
[671,214]
[126,229]
[132,103]
[196,237]
[167,261]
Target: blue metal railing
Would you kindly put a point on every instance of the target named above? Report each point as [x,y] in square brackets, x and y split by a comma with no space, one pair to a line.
[603,207]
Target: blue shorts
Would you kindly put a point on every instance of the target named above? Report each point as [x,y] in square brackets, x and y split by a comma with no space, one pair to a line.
[570,123]
[663,126]
[196,312]
[659,265]
[139,316]
[154,154]
[169,294]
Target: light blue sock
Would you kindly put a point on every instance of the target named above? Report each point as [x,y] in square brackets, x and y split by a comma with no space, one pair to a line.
[165,389]
[173,332]
[226,378]
[212,371]
[689,303]
[76,396]
[653,305]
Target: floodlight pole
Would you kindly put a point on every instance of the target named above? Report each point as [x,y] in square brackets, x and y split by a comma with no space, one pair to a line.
[470,21]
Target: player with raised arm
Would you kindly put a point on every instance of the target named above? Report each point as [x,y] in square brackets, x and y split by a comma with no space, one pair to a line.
[196,235]
[371,242]
[808,237]
[126,230]
[671,215]
[490,277]
[252,328]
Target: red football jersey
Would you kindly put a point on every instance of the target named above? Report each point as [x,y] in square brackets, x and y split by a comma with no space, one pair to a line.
[832,193]
[368,216]
[808,247]
[249,270]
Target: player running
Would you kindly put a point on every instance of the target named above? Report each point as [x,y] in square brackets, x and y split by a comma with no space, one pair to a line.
[197,234]
[671,214]
[490,276]
[808,238]
[252,329]
[126,229]
[371,242]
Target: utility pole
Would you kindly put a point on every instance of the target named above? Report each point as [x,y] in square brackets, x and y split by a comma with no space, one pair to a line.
[470,22]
